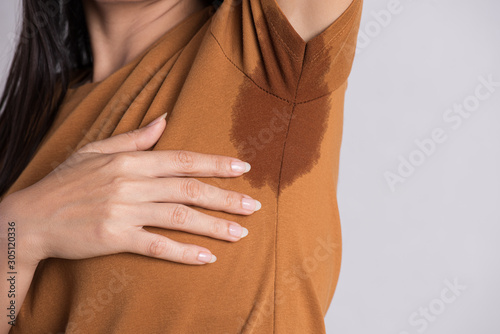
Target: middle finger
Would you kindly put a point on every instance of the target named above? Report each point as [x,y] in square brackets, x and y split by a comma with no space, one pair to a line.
[194,192]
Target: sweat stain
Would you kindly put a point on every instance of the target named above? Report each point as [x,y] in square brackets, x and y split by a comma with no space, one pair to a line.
[285,105]
[281,139]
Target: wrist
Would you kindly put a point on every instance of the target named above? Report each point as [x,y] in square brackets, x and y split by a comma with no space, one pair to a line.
[16,234]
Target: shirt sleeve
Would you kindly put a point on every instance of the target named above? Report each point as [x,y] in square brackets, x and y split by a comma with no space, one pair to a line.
[258,39]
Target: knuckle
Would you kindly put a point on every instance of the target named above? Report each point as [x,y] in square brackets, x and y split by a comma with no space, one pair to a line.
[191,189]
[107,209]
[120,186]
[187,254]
[220,165]
[104,231]
[217,227]
[229,200]
[110,211]
[158,247]
[180,215]
[183,160]
[121,162]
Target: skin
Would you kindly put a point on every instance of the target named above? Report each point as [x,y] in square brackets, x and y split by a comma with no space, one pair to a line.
[120,30]
[115,198]
[310,17]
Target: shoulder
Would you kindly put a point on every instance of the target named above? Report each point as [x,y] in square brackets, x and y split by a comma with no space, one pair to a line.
[310,17]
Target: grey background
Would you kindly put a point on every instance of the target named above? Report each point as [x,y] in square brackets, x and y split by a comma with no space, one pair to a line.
[401,245]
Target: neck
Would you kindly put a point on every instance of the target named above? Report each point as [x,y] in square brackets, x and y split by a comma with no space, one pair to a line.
[121,30]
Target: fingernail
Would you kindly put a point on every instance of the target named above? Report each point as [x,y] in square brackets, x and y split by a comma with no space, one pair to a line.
[206,257]
[238,231]
[240,166]
[251,204]
[157,120]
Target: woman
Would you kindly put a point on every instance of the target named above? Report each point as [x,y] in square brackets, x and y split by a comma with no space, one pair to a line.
[110,237]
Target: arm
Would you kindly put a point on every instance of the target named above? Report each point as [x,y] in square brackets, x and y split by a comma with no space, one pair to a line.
[310,17]
[17,271]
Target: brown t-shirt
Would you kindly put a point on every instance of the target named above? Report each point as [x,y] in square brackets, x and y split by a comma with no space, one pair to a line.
[236,81]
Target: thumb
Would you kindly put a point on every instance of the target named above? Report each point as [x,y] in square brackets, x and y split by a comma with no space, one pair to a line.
[135,140]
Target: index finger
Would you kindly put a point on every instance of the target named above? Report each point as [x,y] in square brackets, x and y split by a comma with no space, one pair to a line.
[184,163]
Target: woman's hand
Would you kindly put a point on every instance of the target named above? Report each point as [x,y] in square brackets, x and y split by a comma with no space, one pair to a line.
[98,200]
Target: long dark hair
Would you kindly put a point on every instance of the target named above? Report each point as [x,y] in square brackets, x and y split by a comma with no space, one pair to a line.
[53,45]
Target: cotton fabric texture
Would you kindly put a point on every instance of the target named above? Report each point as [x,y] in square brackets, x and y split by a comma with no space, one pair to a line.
[237,81]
